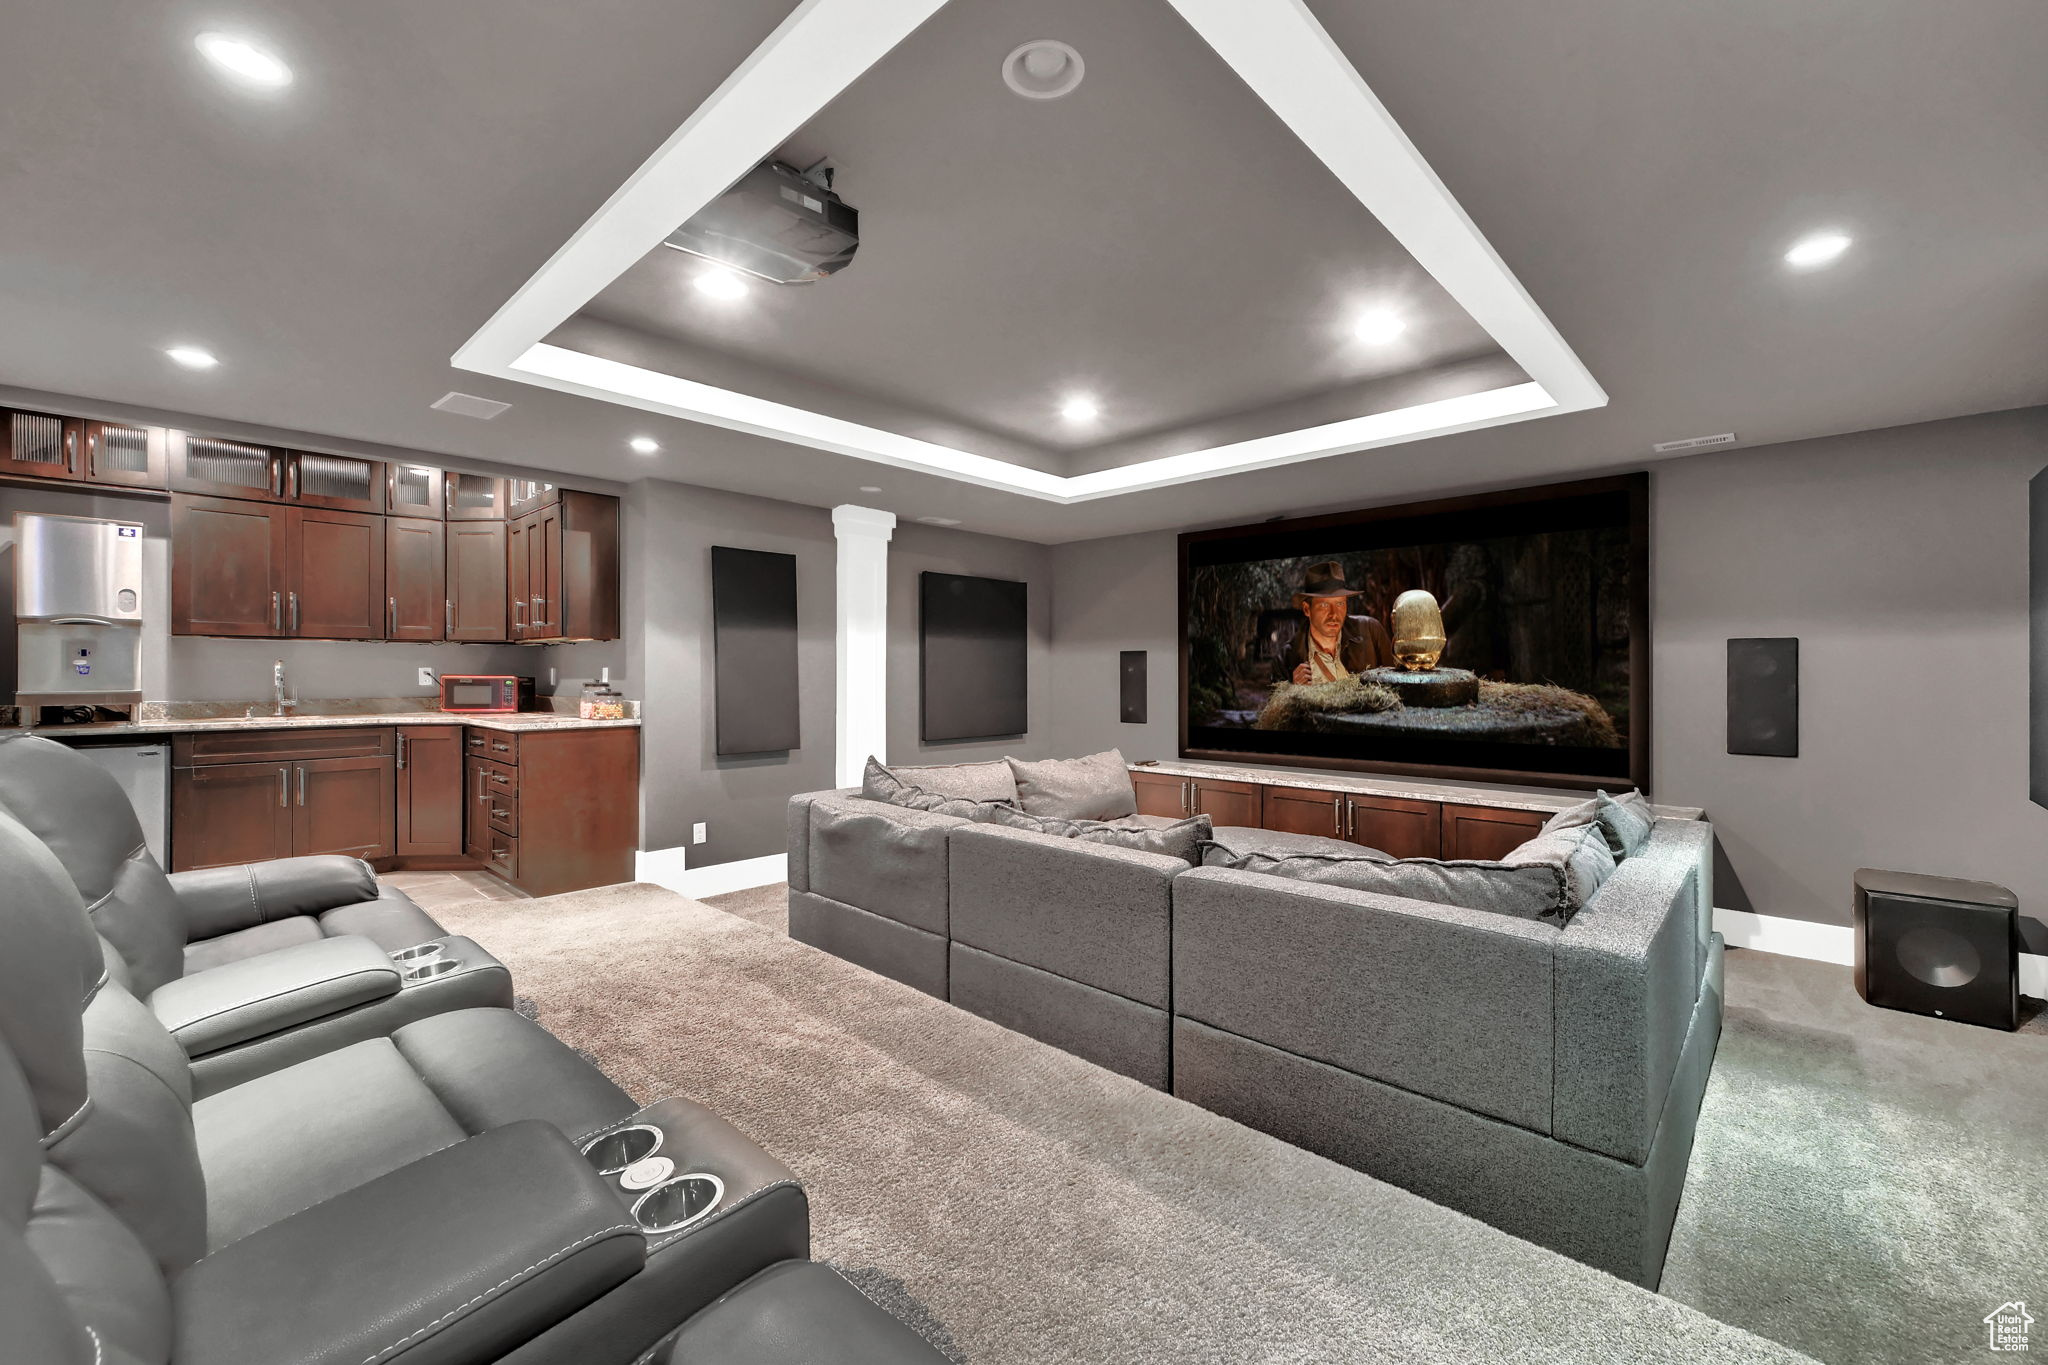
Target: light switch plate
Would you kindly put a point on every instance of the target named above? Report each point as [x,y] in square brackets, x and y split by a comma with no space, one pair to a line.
[697,833]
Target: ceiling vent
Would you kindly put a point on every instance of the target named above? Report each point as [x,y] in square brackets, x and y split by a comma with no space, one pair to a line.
[1043,70]
[469,405]
[1726,438]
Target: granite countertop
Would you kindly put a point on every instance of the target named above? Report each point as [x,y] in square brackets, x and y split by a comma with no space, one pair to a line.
[1409,788]
[173,718]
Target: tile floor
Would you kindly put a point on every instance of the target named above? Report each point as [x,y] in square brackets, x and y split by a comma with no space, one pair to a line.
[433,891]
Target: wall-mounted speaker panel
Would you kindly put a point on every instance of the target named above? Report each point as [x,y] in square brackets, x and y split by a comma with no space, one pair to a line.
[972,638]
[1130,674]
[1763,697]
[754,644]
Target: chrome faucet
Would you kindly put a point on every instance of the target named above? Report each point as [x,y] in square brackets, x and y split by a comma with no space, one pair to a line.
[278,700]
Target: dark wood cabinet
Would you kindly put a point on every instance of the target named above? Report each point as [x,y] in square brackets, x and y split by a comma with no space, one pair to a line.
[343,805]
[1298,810]
[213,467]
[125,456]
[527,495]
[40,446]
[429,797]
[474,497]
[413,490]
[336,563]
[1225,803]
[342,483]
[1402,828]
[554,810]
[562,574]
[1487,832]
[416,599]
[230,566]
[225,814]
[245,796]
[477,606]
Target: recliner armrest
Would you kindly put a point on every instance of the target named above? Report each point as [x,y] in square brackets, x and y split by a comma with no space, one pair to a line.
[456,1258]
[266,994]
[220,900]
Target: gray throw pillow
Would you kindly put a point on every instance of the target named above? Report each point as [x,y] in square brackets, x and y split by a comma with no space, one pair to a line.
[990,781]
[879,784]
[1530,890]
[1574,817]
[1097,787]
[1181,839]
[1627,821]
[1580,850]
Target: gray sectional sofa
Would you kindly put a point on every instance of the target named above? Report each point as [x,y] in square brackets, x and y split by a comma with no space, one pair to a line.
[1545,1078]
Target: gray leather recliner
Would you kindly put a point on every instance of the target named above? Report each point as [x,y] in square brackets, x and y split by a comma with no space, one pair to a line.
[252,968]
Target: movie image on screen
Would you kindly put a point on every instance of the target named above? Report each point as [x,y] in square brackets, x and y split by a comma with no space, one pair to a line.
[1497,636]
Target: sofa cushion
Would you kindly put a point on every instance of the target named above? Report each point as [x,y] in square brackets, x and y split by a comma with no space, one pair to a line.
[881,784]
[1626,820]
[1097,787]
[1231,841]
[990,781]
[1534,889]
[1181,839]
[887,860]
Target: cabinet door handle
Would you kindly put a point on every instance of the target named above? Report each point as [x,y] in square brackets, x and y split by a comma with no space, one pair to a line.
[401,748]
[276,474]
[1337,816]
[284,789]
[292,476]
[71,449]
[295,611]
[276,612]
[448,616]
[1350,818]
[391,618]
[302,784]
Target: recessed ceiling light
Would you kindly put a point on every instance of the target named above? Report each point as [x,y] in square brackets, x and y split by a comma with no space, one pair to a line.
[719,283]
[644,445]
[1379,326]
[242,59]
[1043,69]
[1822,248]
[869,488]
[192,357]
[1080,408]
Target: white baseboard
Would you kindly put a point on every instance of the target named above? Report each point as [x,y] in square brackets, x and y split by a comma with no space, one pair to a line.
[670,867]
[1833,943]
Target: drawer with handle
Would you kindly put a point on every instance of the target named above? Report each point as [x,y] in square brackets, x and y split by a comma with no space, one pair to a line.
[501,808]
[503,857]
[495,745]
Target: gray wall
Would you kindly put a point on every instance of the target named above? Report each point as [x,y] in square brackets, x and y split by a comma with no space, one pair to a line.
[1899,559]
[917,549]
[668,664]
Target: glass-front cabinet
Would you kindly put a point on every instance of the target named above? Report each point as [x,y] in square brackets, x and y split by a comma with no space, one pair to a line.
[39,445]
[130,456]
[222,468]
[342,482]
[413,490]
[475,497]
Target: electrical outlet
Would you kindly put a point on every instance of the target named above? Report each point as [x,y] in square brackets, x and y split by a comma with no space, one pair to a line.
[427,678]
[697,833]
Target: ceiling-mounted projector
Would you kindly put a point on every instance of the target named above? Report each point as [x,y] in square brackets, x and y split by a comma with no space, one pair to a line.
[777,224]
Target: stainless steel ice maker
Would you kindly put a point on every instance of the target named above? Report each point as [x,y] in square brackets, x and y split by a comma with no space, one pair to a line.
[78,610]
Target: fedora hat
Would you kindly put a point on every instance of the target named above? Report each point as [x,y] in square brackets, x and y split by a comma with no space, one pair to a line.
[1325,580]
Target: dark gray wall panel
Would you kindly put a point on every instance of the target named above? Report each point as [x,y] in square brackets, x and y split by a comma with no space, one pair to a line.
[754,638]
[973,657]
[1763,697]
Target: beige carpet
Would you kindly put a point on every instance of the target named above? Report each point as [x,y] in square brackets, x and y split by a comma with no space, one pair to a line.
[1020,1205]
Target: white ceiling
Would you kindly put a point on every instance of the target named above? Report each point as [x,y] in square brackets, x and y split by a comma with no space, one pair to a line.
[1639,168]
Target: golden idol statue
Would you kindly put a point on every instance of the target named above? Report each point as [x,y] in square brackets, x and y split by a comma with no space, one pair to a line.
[1418,631]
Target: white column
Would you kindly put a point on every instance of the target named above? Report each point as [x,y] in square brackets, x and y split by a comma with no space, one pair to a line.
[863,721]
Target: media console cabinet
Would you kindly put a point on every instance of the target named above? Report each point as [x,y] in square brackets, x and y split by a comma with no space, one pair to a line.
[1405,817]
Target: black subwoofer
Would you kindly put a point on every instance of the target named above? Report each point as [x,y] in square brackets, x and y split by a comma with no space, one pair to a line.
[1939,946]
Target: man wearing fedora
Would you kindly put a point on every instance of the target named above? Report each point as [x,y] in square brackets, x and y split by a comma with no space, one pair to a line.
[1336,643]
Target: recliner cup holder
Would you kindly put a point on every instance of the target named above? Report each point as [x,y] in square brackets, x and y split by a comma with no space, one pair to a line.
[428,969]
[614,1152]
[677,1203]
[419,952]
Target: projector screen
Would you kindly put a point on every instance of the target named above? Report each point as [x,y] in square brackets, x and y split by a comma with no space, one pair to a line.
[1522,616]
